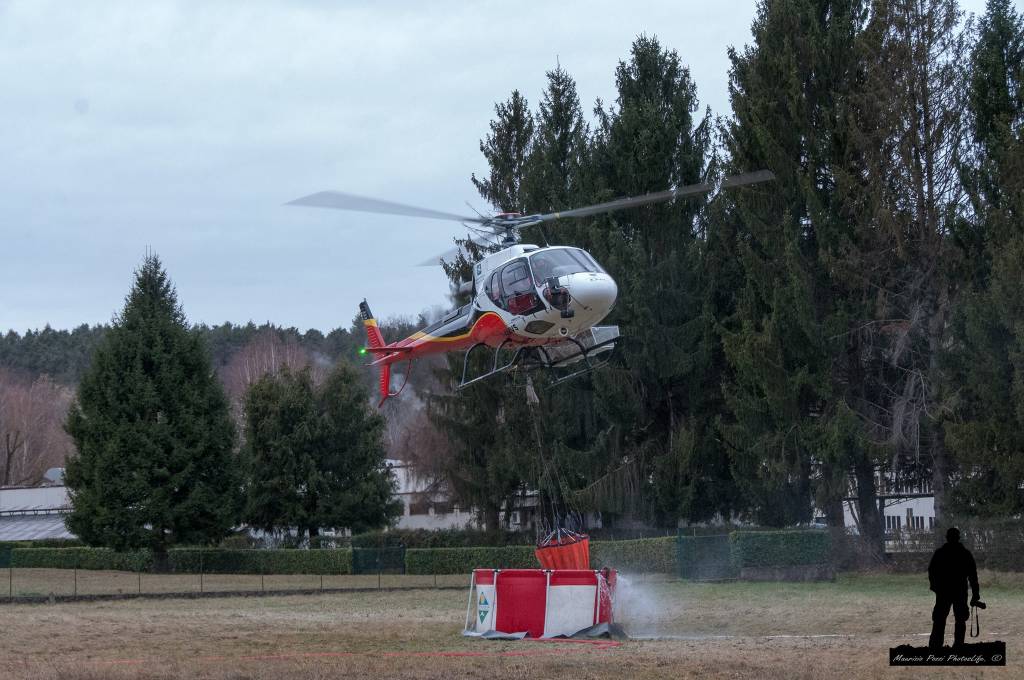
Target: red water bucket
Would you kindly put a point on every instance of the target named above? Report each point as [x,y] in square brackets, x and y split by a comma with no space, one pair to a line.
[564,550]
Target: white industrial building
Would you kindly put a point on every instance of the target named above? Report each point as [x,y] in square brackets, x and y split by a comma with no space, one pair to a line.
[423,506]
[35,513]
[907,507]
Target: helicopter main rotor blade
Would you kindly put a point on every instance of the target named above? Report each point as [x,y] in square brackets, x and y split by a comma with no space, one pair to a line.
[660,196]
[338,200]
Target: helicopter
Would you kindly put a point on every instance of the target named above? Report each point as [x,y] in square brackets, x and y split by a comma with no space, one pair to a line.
[534,307]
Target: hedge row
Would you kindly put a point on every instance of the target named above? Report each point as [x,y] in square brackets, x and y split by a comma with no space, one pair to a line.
[643,554]
[779,548]
[440,538]
[261,561]
[465,560]
[189,560]
[650,555]
[746,549]
[80,558]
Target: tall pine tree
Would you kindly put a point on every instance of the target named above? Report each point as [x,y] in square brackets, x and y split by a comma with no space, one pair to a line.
[485,421]
[986,362]
[910,125]
[152,429]
[793,435]
[654,137]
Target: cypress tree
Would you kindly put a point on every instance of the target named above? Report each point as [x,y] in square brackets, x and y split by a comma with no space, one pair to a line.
[152,430]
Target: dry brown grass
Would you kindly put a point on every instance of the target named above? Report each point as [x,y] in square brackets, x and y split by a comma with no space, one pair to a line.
[400,634]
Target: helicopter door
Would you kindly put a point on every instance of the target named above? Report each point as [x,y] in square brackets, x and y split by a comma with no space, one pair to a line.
[493,289]
[517,292]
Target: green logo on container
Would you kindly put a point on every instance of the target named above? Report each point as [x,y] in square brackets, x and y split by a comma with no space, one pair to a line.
[483,607]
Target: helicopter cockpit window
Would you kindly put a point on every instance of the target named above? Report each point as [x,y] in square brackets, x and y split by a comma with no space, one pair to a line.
[517,293]
[561,262]
[515,278]
[587,257]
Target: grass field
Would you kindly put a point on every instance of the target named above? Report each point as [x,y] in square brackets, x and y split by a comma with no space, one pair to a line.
[734,630]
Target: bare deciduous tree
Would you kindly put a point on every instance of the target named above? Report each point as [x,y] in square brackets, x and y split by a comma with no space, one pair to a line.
[32,436]
[267,353]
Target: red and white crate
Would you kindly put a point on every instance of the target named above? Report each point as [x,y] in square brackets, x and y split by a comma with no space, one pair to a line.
[541,603]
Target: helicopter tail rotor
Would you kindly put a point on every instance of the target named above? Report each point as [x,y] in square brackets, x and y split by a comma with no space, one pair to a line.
[375,341]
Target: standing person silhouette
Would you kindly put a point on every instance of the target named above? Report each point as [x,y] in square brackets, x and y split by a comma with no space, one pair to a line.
[951,570]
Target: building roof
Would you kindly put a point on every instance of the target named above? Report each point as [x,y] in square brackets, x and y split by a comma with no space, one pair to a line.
[33,527]
[37,498]
[33,513]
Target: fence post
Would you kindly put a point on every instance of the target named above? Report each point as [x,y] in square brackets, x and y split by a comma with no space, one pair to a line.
[138,565]
[10,581]
[263,570]
[200,571]
[74,593]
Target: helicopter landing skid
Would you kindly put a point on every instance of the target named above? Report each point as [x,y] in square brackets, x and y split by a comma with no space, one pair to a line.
[585,347]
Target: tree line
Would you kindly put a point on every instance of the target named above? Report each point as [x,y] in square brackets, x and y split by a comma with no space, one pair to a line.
[40,371]
[160,462]
[785,343]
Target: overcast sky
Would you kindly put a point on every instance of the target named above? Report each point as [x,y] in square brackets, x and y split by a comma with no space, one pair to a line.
[185,127]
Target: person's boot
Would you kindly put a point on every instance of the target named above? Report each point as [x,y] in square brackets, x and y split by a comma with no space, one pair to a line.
[959,633]
[938,632]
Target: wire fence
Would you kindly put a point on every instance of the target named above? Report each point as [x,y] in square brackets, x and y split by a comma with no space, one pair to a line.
[207,573]
[40,584]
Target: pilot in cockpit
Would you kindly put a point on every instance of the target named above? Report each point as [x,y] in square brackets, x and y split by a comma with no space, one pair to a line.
[543,268]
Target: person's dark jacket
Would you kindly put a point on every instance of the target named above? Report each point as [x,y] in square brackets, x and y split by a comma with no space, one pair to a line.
[951,570]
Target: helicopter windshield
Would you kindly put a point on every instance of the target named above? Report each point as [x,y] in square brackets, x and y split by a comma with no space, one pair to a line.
[561,262]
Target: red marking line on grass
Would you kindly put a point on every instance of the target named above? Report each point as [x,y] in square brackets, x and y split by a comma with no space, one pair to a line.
[580,645]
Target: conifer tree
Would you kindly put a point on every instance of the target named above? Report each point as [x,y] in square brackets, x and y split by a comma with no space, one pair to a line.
[558,151]
[910,125]
[651,139]
[985,364]
[507,150]
[793,436]
[155,466]
[568,437]
[314,456]
[484,421]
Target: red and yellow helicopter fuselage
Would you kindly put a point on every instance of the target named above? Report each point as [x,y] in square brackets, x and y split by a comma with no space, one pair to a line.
[525,297]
